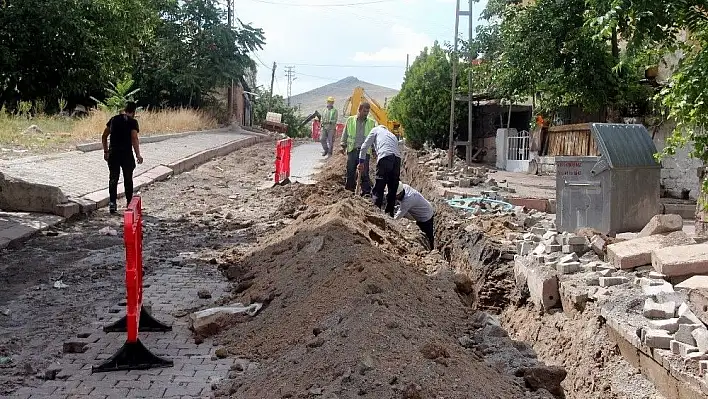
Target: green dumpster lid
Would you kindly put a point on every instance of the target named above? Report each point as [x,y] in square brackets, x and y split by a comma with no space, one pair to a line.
[625,146]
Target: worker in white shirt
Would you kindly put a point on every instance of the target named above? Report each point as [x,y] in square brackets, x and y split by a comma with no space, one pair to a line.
[415,206]
[388,165]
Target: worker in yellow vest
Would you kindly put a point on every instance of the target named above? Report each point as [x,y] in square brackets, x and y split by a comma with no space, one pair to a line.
[355,131]
[329,127]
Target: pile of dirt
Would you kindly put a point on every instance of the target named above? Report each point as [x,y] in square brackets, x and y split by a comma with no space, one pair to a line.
[345,315]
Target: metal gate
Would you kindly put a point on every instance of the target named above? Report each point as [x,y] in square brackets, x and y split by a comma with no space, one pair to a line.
[519,146]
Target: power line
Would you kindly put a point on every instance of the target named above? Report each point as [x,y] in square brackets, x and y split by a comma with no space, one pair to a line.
[323,5]
[346,66]
[317,77]
[290,74]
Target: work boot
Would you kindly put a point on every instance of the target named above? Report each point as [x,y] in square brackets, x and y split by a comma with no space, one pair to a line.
[112,208]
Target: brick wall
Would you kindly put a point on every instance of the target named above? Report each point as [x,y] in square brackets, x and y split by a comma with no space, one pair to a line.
[679,171]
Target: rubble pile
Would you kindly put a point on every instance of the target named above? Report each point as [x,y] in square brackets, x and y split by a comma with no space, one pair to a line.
[631,282]
[461,175]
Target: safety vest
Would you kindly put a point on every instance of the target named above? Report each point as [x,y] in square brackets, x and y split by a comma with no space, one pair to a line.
[351,131]
[329,116]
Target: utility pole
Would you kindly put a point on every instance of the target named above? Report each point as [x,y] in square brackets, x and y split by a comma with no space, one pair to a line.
[407,58]
[290,74]
[454,96]
[230,91]
[272,80]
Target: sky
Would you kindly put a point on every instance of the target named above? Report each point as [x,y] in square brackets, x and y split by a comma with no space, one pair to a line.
[328,40]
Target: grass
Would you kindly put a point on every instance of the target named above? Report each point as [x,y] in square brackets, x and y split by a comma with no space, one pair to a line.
[60,133]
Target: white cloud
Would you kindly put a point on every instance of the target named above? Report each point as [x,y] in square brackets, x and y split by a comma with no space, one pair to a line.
[403,41]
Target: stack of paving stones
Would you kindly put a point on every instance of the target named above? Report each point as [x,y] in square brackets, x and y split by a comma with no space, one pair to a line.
[461,175]
[652,289]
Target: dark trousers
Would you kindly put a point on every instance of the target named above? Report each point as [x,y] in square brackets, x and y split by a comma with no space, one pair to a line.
[428,228]
[388,174]
[364,179]
[115,164]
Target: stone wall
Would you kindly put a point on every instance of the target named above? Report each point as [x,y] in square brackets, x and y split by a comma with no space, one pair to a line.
[679,171]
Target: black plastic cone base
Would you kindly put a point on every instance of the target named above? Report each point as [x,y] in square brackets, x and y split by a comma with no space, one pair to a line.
[282,183]
[147,324]
[132,356]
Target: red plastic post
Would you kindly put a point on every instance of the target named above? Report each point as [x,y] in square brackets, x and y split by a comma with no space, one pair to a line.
[133,237]
[287,148]
[316,130]
[278,161]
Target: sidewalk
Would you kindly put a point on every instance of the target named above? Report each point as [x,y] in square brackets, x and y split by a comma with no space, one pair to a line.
[83,176]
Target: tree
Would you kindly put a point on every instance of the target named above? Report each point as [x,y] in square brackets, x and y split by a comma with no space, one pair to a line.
[423,104]
[194,53]
[548,48]
[279,105]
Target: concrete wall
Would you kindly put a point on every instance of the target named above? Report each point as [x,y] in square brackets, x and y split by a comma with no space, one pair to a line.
[679,171]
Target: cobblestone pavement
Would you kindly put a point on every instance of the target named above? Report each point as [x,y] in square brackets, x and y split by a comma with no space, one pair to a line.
[195,369]
[187,237]
[78,173]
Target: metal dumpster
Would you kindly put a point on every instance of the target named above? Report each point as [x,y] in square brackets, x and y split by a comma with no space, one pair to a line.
[615,192]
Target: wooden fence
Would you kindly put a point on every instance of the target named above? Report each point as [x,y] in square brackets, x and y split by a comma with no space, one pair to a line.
[570,140]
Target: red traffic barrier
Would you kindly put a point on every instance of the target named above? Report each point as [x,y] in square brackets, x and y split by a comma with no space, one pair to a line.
[340,129]
[282,161]
[133,355]
[316,129]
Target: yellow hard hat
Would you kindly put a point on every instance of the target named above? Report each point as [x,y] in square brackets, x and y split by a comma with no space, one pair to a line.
[330,99]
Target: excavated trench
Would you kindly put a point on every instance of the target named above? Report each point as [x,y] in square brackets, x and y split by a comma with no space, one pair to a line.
[577,341]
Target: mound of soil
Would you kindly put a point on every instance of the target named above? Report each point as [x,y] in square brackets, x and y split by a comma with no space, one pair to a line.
[345,315]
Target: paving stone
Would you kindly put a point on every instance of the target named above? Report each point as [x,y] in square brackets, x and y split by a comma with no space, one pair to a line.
[685,260]
[659,339]
[568,268]
[684,334]
[653,310]
[611,281]
[700,335]
[669,325]
[638,252]
[661,224]
[682,349]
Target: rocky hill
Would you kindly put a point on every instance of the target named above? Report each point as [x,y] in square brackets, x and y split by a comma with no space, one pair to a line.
[341,91]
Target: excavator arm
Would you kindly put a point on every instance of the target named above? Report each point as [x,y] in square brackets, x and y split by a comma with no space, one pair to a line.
[314,115]
[351,107]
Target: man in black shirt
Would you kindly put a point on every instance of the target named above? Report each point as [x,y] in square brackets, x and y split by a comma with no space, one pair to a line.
[123,130]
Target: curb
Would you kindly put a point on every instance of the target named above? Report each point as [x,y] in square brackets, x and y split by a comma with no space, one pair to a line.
[100,199]
[96,146]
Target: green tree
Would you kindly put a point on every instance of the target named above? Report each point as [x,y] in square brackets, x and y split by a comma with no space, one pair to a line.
[278,104]
[423,104]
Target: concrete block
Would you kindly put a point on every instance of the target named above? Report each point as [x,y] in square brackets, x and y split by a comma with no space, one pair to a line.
[702,367]
[17,195]
[638,252]
[686,260]
[465,182]
[598,245]
[568,268]
[578,240]
[575,248]
[657,275]
[548,235]
[539,250]
[682,349]
[525,247]
[593,280]
[693,283]
[85,205]
[668,325]
[694,357]
[657,339]
[653,310]
[571,258]
[542,282]
[684,333]
[700,335]
[553,248]
[661,224]
[698,304]
[611,281]
[686,315]
[605,273]
[67,210]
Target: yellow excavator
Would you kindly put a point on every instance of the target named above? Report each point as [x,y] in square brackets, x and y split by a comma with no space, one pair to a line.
[351,106]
